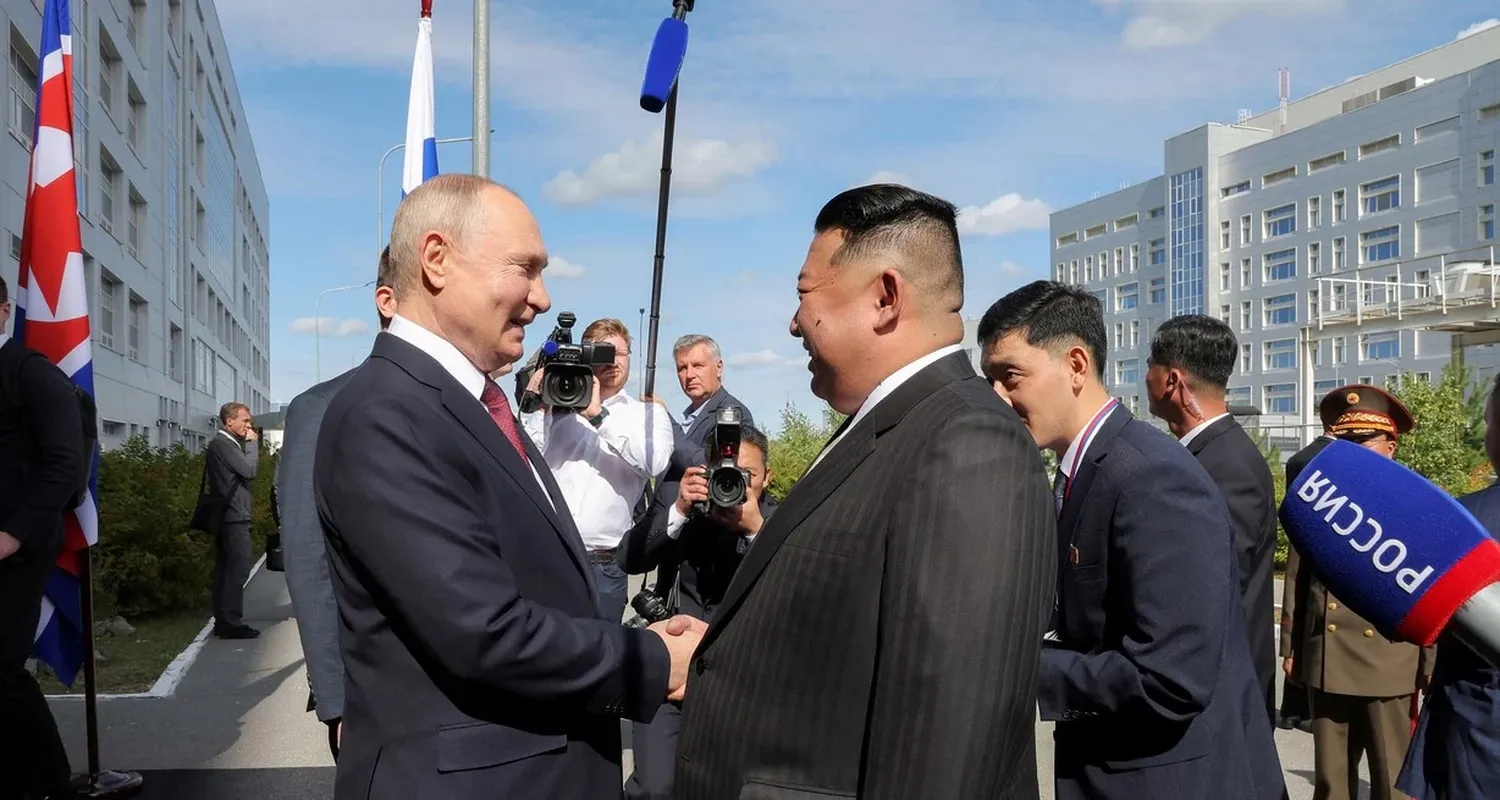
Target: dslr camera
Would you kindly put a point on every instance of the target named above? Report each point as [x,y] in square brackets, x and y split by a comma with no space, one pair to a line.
[727,480]
[650,606]
[567,370]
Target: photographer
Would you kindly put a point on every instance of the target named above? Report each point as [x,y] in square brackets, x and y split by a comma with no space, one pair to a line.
[602,451]
[687,530]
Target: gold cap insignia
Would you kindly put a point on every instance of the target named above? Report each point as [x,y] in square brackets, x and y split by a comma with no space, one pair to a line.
[1352,398]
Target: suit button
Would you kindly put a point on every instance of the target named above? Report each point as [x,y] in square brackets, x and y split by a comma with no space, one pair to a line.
[701,667]
[1333,606]
[1332,628]
[1369,633]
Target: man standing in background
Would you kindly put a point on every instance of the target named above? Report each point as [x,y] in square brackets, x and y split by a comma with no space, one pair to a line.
[1187,373]
[233,461]
[700,373]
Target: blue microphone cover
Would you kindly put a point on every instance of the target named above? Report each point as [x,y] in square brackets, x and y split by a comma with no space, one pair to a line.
[1387,542]
[665,61]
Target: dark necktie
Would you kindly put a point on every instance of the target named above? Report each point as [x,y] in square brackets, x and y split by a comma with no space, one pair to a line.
[1059,490]
[499,407]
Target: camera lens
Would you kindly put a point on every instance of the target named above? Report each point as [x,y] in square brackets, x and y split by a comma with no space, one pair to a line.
[727,487]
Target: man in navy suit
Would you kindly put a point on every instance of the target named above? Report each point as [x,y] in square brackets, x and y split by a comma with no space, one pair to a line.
[1147,672]
[1452,756]
[476,663]
[700,373]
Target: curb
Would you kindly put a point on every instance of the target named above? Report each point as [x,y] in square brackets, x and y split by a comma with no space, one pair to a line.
[166,683]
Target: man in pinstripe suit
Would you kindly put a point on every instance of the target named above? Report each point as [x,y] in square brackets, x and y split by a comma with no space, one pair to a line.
[881,637]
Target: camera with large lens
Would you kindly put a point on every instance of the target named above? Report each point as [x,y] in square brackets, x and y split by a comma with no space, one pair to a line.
[567,370]
[727,480]
[650,606]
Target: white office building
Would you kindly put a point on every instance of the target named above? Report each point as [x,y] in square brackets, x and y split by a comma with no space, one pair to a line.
[1361,203]
[173,209]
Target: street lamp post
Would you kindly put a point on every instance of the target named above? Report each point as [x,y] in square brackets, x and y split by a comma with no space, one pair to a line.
[380,188]
[318,323]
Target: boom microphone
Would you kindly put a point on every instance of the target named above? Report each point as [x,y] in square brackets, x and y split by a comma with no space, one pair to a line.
[667,54]
[1396,549]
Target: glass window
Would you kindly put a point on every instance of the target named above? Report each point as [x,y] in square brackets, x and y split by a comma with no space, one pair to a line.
[1280,265]
[1381,245]
[1280,310]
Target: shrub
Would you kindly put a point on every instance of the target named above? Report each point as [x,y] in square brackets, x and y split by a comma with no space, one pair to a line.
[147,562]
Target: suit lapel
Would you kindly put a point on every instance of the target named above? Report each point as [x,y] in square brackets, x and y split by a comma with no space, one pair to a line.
[1209,434]
[696,432]
[1078,490]
[563,516]
[470,414]
[837,465]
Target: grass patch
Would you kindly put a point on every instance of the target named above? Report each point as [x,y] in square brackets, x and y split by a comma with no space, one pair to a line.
[133,663]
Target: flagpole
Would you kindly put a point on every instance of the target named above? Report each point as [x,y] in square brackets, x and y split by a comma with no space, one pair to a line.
[90,696]
[481,87]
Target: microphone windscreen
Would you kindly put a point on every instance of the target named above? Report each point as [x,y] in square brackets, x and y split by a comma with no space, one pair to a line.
[1387,542]
[665,61]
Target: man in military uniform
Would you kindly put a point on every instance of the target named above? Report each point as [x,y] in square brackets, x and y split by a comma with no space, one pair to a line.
[1363,686]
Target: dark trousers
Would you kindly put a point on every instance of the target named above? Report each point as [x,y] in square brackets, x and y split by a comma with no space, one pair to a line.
[613,586]
[231,570]
[32,758]
[655,748]
[1294,700]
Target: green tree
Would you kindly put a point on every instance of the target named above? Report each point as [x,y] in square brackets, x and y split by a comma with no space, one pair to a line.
[1272,455]
[800,441]
[1446,445]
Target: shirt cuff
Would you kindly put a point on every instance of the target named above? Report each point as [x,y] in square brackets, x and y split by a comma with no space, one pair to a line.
[675,521]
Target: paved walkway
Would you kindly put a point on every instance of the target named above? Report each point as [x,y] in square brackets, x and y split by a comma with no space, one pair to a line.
[236,728]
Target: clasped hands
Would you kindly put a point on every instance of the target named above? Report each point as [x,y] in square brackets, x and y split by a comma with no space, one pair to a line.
[681,634]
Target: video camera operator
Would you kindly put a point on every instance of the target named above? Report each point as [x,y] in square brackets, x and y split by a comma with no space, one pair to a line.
[700,530]
[602,444]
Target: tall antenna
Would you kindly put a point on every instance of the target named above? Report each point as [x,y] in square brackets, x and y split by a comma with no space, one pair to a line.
[1284,89]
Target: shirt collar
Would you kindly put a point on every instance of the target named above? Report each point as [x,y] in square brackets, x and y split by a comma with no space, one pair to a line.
[441,350]
[1080,445]
[4,337]
[1193,434]
[893,381]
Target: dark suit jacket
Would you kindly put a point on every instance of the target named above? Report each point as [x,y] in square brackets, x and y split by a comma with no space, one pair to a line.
[41,448]
[303,551]
[688,448]
[880,638]
[231,472]
[1458,734]
[1240,471]
[704,555]
[476,665]
[1151,685]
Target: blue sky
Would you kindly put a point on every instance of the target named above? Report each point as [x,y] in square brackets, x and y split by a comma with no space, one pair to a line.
[1008,109]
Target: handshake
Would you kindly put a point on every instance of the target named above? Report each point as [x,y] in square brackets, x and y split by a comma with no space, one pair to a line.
[681,634]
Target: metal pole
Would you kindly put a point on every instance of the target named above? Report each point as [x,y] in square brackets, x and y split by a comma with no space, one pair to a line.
[318,324]
[663,200]
[90,701]
[640,325]
[481,87]
[380,189]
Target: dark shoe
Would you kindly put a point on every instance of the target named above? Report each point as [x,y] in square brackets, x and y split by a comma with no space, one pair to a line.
[238,632]
[1304,725]
[1288,722]
[107,784]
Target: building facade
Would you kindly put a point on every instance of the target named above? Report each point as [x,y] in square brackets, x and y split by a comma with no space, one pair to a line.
[1361,196]
[172,207]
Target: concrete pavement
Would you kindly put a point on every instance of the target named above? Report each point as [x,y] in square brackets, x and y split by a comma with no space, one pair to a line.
[236,726]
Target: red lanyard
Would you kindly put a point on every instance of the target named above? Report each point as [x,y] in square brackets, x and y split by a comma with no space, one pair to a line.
[1083,445]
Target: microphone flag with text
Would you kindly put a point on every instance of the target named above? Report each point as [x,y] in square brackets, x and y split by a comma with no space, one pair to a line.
[1396,549]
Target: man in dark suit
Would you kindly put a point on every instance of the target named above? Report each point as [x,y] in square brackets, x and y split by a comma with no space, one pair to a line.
[41,454]
[1192,357]
[302,545]
[1452,756]
[880,638]
[1148,673]
[700,373]
[476,664]
[702,551]
[233,459]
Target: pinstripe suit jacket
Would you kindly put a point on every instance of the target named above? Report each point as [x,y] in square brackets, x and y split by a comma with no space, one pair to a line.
[881,637]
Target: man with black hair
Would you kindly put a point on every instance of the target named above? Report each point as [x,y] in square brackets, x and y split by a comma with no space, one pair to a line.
[703,551]
[1192,357]
[1147,673]
[880,638]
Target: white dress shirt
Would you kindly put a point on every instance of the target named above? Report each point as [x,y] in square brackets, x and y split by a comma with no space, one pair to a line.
[1079,447]
[4,337]
[602,471]
[1190,435]
[455,363]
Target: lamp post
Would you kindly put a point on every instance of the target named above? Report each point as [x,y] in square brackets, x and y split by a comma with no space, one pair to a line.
[481,162]
[318,323]
[380,188]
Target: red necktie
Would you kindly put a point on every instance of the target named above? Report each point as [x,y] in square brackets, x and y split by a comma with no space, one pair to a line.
[499,407]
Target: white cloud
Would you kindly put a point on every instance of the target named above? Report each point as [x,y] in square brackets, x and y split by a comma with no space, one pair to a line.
[562,268]
[754,358]
[1007,213]
[1011,269]
[886,176]
[1160,24]
[698,166]
[328,326]
[1477,27]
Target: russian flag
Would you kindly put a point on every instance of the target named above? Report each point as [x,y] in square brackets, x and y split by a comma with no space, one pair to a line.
[52,316]
[421,138]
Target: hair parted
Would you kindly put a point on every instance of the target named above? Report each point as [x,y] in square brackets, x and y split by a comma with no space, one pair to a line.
[229,411]
[1052,315]
[601,329]
[692,340]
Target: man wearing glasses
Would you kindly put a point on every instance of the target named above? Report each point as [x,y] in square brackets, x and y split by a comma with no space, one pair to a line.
[602,457]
